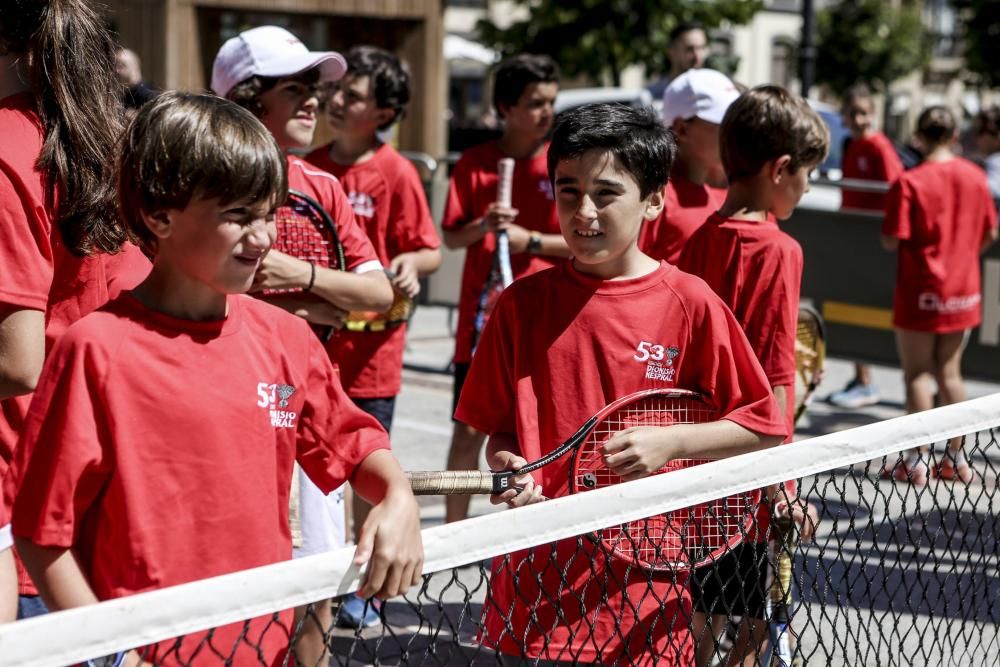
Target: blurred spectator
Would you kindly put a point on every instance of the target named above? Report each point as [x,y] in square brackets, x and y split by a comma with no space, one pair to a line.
[988,146]
[137,92]
[687,50]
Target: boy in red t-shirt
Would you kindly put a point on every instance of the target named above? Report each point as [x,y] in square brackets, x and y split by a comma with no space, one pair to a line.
[524,90]
[693,106]
[212,394]
[563,343]
[390,204]
[869,156]
[939,218]
[770,141]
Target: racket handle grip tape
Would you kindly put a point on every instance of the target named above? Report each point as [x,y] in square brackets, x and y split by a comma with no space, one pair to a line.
[458,482]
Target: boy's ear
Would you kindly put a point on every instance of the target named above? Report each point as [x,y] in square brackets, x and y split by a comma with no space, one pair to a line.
[158,223]
[383,116]
[777,168]
[654,205]
[679,126]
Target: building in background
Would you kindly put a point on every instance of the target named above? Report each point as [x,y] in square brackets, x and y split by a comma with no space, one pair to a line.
[177,41]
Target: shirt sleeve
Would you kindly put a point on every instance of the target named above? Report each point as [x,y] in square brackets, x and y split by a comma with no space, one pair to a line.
[890,167]
[359,253]
[488,402]
[772,322]
[457,210]
[64,458]
[411,225]
[334,435]
[897,212]
[726,369]
[26,263]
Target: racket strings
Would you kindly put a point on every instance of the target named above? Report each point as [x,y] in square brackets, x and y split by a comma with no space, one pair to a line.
[676,539]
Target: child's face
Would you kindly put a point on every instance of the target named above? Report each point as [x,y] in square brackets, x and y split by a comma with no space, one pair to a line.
[533,114]
[214,246]
[351,109]
[698,141]
[600,210]
[290,112]
[858,116]
[789,189]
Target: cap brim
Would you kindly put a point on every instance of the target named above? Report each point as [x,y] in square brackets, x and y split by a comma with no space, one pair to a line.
[332,65]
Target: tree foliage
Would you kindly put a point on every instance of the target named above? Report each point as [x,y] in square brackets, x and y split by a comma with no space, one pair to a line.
[869,41]
[981,19]
[594,37]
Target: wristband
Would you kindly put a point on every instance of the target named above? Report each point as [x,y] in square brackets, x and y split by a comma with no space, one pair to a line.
[312,276]
[534,243]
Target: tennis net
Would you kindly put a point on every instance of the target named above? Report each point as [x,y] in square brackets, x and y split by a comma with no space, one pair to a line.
[897,574]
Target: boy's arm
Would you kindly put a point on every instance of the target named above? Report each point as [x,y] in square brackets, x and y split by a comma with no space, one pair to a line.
[345,289]
[22,350]
[408,267]
[389,540]
[310,308]
[57,574]
[640,451]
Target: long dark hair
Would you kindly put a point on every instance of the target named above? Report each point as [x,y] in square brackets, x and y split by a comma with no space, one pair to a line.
[78,97]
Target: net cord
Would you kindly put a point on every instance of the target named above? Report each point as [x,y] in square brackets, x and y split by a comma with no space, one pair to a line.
[75,635]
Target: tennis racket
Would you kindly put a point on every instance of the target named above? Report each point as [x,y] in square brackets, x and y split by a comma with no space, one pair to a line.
[399,313]
[501,275]
[781,594]
[679,540]
[307,232]
[810,353]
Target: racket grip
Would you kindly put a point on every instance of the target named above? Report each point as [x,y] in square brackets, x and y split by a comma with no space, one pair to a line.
[452,482]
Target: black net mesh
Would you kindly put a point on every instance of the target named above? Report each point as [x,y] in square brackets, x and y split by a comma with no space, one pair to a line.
[898,573]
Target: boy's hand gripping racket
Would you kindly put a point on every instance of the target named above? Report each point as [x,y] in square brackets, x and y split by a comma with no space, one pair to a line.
[781,593]
[501,274]
[399,313]
[307,232]
[810,353]
[679,540]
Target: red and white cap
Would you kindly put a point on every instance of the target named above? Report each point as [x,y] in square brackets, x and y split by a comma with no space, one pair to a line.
[701,93]
[273,52]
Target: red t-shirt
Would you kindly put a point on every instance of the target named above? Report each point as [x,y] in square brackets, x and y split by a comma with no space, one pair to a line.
[559,346]
[940,212]
[473,189]
[161,450]
[757,271]
[390,204]
[686,207]
[37,271]
[871,158]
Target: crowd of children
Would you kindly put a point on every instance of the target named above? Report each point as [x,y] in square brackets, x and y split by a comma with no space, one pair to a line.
[149,330]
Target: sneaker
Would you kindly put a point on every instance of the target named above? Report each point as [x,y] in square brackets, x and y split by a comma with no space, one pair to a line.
[912,469]
[358,613]
[855,395]
[955,468]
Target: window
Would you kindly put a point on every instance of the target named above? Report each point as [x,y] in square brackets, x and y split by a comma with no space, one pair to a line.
[782,61]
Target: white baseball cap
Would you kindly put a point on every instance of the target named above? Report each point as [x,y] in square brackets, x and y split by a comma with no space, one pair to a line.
[270,51]
[702,93]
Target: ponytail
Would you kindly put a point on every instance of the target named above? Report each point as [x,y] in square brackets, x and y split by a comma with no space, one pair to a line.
[78,98]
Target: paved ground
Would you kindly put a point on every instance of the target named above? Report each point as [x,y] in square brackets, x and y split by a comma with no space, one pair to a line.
[895,577]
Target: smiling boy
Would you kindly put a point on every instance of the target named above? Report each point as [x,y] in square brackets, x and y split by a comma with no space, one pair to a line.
[211,394]
[563,343]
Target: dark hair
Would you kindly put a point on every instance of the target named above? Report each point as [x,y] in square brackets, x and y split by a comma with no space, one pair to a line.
[635,136]
[390,80]
[683,27]
[988,121]
[71,57]
[516,73]
[248,91]
[765,123]
[858,91]
[186,146]
[936,125]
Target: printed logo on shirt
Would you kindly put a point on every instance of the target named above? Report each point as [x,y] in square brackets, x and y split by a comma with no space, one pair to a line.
[273,397]
[659,360]
[863,164]
[545,187]
[953,304]
[363,204]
